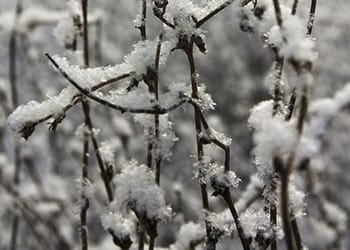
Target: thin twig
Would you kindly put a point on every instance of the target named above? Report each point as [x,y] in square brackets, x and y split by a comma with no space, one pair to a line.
[86,110]
[278,94]
[213,13]
[278,12]
[158,158]
[296,233]
[295,7]
[155,110]
[14,97]
[143,20]
[310,23]
[160,15]
[197,117]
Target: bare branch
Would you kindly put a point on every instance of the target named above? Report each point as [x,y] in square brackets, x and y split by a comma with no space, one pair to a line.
[213,13]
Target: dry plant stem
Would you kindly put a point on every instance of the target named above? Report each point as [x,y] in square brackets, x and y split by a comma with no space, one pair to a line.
[97,42]
[157,109]
[213,13]
[311,20]
[277,98]
[284,171]
[84,178]
[158,158]
[228,199]
[278,12]
[200,150]
[303,109]
[141,237]
[88,122]
[226,195]
[291,105]
[296,233]
[273,219]
[86,110]
[84,4]
[295,7]
[78,97]
[14,97]
[277,95]
[143,20]
[151,243]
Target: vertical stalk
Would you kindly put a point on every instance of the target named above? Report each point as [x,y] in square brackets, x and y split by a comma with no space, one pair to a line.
[143,20]
[156,116]
[200,150]
[311,20]
[14,99]
[151,243]
[84,4]
[277,98]
[84,177]
[141,233]
[278,12]
[295,7]
[86,111]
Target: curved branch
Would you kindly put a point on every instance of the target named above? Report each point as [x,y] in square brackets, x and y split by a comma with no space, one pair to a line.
[157,109]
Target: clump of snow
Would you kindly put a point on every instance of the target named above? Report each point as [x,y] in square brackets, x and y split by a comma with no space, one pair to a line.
[222,222]
[257,222]
[321,112]
[64,32]
[108,149]
[201,169]
[137,190]
[221,137]
[189,233]
[297,47]
[74,7]
[267,146]
[121,226]
[220,178]
[143,55]
[336,216]
[34,111]
[205,101]
[297,203]
[323,235]
[88,77]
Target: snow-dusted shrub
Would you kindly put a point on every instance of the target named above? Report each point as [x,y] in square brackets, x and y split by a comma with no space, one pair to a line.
[134,114]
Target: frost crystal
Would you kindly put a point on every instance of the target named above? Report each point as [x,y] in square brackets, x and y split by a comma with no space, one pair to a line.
[137,190]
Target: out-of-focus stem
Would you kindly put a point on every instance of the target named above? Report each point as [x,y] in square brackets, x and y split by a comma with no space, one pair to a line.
[14,99]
